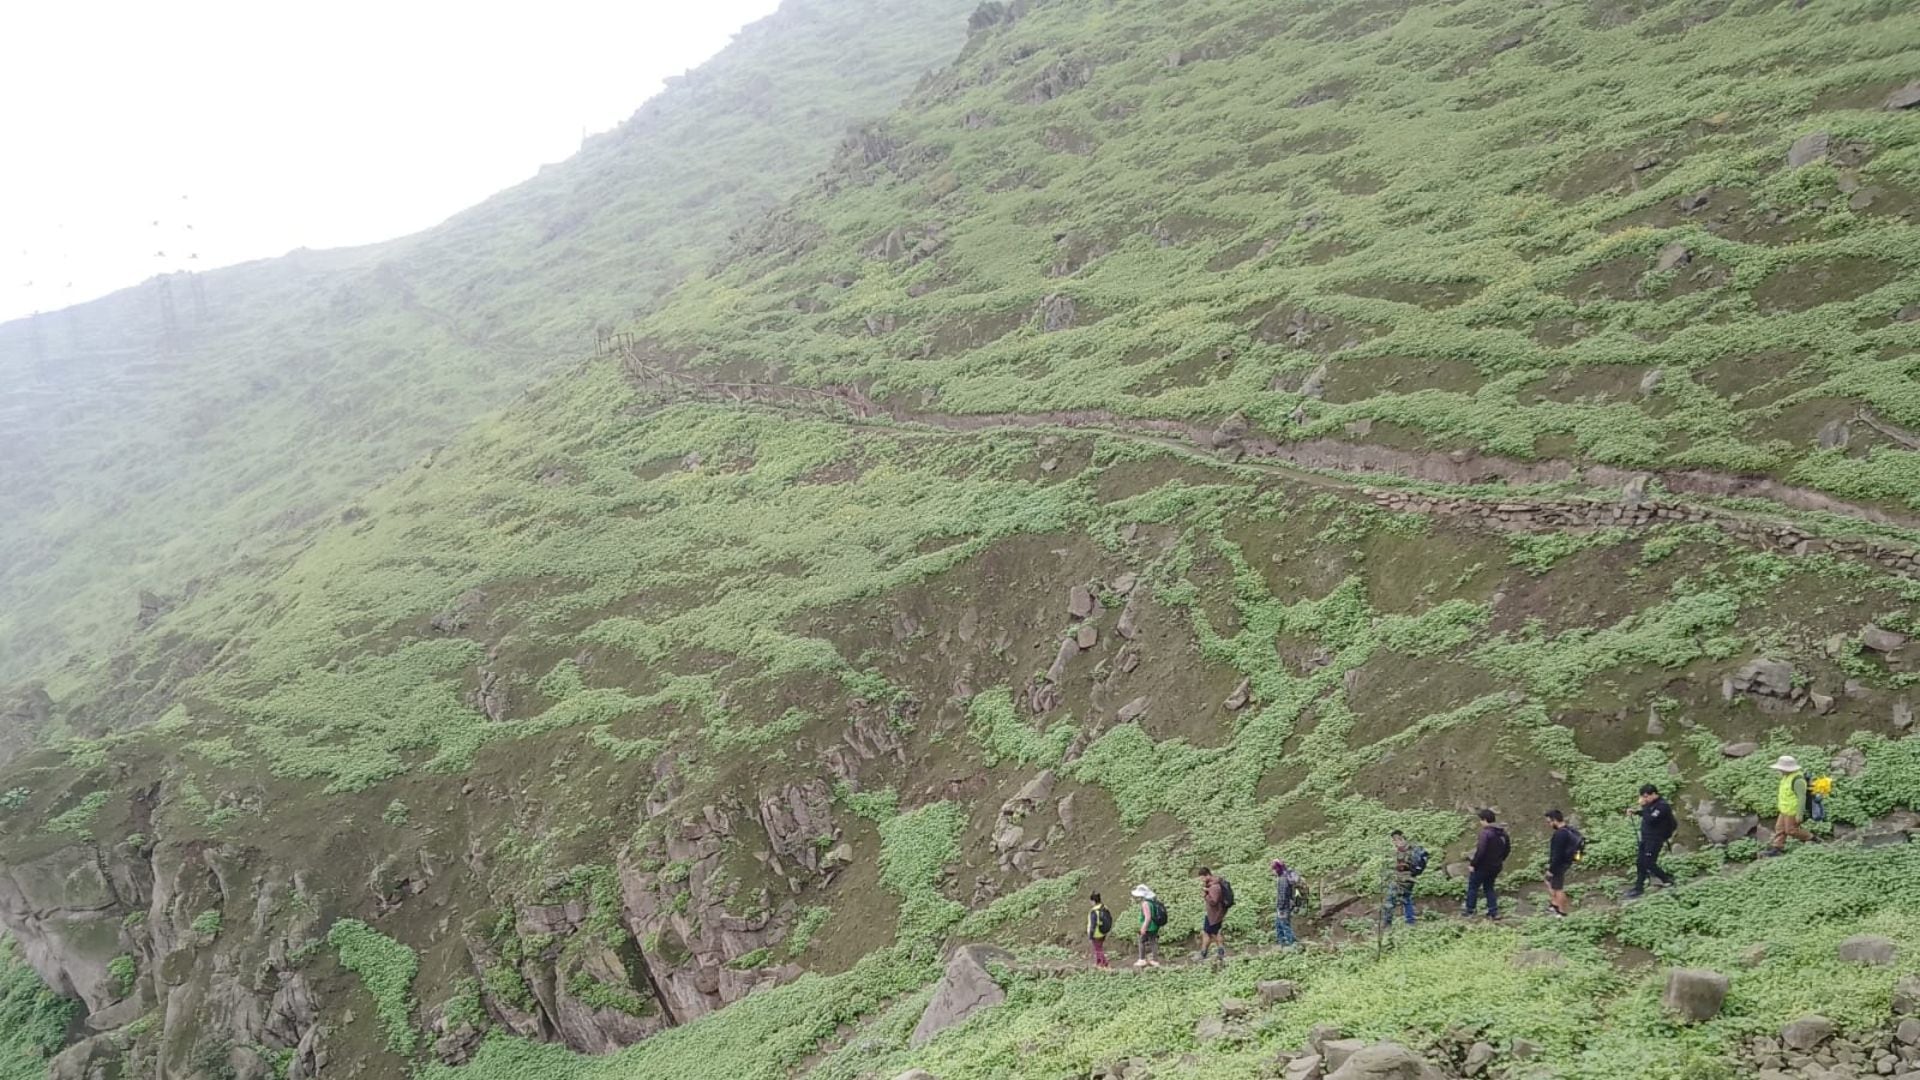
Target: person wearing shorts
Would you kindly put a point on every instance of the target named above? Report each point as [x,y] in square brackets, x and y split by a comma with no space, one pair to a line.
[1560,852]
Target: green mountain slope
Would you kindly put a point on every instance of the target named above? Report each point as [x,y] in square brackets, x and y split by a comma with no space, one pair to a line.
[1181,434]
[146,451]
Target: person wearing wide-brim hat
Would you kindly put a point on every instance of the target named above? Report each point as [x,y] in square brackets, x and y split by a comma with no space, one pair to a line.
[1153,916]
[1792,805]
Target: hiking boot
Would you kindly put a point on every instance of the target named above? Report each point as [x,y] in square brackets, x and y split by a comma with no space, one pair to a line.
[1632,894]
[1139,963]
[1770,852]
[1556,913]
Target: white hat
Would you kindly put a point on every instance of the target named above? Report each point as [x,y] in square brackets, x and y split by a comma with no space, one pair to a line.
[1786,764]
[1141,892]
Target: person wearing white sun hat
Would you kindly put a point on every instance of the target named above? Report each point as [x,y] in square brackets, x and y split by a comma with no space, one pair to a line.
[1792,805]
[1153,916]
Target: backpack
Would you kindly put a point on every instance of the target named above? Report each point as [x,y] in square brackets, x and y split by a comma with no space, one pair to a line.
[1299,888]
[1506,845]
[1226,895]
[1417,860]
[1817,791]
[1579,843]
[1102,922]
[1158,915]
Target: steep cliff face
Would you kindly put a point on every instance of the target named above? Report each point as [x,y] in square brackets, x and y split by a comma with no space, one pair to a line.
[1186,434]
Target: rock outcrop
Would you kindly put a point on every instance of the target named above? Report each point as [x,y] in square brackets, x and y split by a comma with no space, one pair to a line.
[965,988]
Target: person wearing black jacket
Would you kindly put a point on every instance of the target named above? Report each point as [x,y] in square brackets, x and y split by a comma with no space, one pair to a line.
[1561,852]
[1489,858]
[1657,826]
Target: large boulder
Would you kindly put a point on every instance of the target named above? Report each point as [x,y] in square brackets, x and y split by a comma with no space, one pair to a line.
[1719,828]
[1274,991]
[966,988]
[1867,950]
[1385,1061]
[1337,1051]
[1806,1033]
[1694,994]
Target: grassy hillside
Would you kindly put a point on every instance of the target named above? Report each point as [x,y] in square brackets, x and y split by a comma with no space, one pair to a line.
[1181,434]
[150,452]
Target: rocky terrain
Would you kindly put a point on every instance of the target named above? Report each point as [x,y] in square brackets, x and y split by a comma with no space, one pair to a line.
[1177,434]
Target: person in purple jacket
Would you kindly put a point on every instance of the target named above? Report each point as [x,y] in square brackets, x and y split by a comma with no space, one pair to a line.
[1489,858]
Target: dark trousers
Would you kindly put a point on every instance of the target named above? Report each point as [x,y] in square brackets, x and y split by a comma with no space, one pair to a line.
[1478,882]
[1648,865]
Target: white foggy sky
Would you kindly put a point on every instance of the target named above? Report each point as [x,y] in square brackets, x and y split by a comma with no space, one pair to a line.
[314,125]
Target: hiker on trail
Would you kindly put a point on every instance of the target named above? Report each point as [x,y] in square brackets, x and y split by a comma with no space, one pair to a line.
[1562,850]
[1793,802]
[1483,868]
[1407,861]
[1288,891]
[1153,917]
[1656,831]
[1217,896]
[1099,925]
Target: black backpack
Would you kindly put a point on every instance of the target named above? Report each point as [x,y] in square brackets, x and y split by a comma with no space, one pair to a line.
[1158,913]
[1417,860]
[1506,845]
[1102,922]
[1579,843]
[1226,895]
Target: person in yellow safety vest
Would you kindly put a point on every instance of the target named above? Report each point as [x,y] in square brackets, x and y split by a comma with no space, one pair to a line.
[1792,805]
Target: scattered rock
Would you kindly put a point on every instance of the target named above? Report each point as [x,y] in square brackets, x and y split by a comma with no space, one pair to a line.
[1721,828]
[1835,434]
[1320,1034]
[1806,1033]
[1906,97]
[965,988]
[1868,950]
[1673,257]
[1125,584]
[1903,714]
[1275,991]
[1808,149]
[1383,1061]
[1128,625]
[1479,1056]
[837,856]
[1849,761]
[1522,1050]
[1906,995]
[1231,430]
[916,1074]
[1907,1032]
[1882,641]
[1773,678]
[1133,710]
[1694,994]
[1739,749]
[1086,637]
[1697,200]
[1235,1008]
[1238,699]
[1080,602]
[1057,313]
[1304,1067]
[1822,703]
[1651,381]
[1338,1051]
[1539,958]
